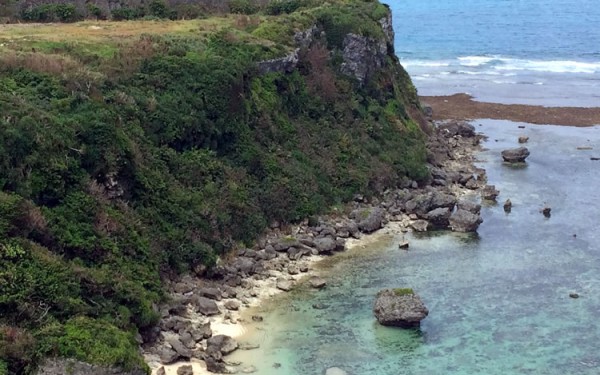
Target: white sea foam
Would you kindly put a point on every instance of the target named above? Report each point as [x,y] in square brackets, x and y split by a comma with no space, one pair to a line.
[551,66]
[475,60]
[498,65]
[425,63]
[479,73]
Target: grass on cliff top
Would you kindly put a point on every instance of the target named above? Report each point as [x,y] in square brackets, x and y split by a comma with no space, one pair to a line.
[104,38]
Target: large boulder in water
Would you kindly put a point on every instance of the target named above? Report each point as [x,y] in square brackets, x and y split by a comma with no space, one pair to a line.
[399,308]
[515,155]
[465,221]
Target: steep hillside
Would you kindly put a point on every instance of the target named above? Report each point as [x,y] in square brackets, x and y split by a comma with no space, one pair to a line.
[134,151]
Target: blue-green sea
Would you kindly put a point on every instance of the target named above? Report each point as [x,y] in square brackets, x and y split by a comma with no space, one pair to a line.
[544,52]
[499,300]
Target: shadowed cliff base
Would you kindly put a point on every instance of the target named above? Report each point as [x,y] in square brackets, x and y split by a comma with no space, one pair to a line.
[463,107]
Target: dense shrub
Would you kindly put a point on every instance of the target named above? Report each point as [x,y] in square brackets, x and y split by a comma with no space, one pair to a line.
[93,341]
[158,8]
[51,13]
[242,7]
[126,13]
[278,7]
[95,11]
[176,152]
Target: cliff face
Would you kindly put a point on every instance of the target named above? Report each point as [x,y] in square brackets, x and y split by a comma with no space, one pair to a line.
[126,160]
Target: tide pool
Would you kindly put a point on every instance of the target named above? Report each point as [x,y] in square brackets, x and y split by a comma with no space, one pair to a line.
[499,300]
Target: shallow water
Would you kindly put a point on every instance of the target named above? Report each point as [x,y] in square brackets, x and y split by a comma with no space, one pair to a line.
[499,301]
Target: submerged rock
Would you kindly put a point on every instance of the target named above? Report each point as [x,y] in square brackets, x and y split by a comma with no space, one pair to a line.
[335,371]
[546,211]
[317,282]
[515,155]
[399,308]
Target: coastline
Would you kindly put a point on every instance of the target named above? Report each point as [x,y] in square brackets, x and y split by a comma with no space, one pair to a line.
[286,257]
[463,107]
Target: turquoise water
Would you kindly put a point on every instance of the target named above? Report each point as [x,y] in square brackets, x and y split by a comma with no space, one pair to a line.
[515,51]
[499,301]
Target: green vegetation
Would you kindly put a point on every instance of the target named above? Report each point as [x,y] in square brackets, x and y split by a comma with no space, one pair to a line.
[403,291]
[133,151]
[51,13]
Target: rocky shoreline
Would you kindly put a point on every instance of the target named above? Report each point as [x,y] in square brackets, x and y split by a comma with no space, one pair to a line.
[199,326]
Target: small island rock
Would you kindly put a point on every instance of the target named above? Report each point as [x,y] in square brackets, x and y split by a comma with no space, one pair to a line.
[546,211]
[399,308]
[507,206]
[515,155]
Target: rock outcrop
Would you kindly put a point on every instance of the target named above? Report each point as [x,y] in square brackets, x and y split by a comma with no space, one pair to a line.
[515,155]
[363,56]
[285,64]
[465,221]
[399,308]
[489,193]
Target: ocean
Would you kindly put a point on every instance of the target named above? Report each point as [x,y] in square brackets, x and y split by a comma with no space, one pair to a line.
[541,52]
[499,300]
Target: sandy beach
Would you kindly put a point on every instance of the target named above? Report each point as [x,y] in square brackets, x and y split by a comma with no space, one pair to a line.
[465,107]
